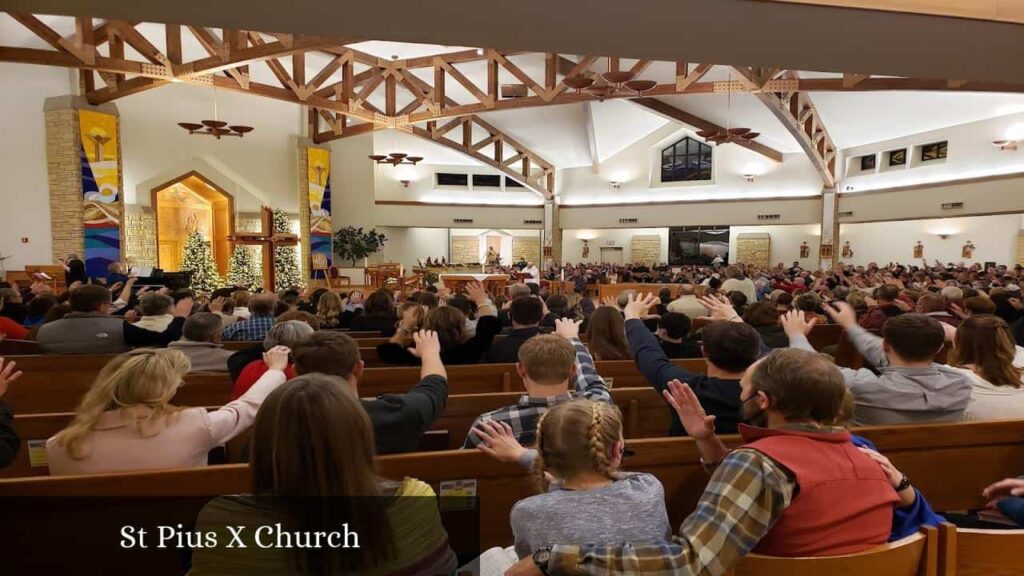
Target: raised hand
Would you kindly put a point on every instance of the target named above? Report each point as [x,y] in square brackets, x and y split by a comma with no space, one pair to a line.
[720,308]
[476,292]
[183,308]
[841,313]
[794,323]
[7,375]
[277,358]
[567,328]
[609,301]
[639,304]
[498,441]
[217,305]
[957,311]
[426,344]
[695,420]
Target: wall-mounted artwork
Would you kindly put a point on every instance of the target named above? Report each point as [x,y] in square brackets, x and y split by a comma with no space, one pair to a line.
[967,252]
[320,233]
[847,250]
[918,250]
[101,190]
[826,251]
[805,251]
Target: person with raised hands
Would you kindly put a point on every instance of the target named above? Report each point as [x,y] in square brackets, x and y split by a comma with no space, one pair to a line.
[399,420]
[729,348]
[796,487]
[126,420]
[909,388]
[585,497]
[548,363]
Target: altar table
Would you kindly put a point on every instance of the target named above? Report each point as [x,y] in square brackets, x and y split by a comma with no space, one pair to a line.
[494,284]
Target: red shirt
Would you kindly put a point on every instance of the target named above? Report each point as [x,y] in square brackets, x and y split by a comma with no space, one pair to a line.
[251,373]
[12,329]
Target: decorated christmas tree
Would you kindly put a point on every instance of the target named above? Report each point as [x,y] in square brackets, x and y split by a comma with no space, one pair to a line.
[286,258]
[244,269]
[198,259]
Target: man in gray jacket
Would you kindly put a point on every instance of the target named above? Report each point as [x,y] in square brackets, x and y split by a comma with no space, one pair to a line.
[910,388]
[201,343]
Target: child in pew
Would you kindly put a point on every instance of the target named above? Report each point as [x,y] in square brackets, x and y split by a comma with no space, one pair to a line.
[313,440]
[576,461]
[126,421]
[547,363]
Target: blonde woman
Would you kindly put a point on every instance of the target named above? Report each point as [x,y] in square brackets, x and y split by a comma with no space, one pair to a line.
[126,421]
[329,309]
[587,499]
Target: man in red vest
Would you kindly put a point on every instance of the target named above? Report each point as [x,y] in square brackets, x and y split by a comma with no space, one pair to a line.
[797,487]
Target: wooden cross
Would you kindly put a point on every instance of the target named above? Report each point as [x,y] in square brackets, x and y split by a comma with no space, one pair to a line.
[267,238]
[98,142]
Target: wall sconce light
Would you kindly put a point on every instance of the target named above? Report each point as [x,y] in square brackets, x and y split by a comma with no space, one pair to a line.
[1005,144]
[749,177]
[405,183]
[615,184]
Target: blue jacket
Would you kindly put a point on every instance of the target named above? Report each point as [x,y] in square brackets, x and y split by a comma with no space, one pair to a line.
[906,521]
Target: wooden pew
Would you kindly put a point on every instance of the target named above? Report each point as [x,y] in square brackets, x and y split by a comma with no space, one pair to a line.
[46,388]
[645,415]
[971,552]
[950,464]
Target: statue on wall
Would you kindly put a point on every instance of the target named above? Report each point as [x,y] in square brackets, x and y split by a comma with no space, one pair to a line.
[586,249]
[805,250]
[968,250]
[918,250]
[492,257]
[847,250]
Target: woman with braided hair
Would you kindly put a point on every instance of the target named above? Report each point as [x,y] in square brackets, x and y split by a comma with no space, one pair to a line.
[586,497]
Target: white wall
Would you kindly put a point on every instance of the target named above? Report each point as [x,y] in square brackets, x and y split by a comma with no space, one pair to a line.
[422,186]
[352,181]
[572,245]
[971,154]
[785,242]
[26,194]
[637,168]
[982,196]
[995,239]
[259,168]
[406,245]
[790,210]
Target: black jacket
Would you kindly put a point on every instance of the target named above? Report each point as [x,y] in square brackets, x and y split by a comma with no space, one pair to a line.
[720,398]
[506,350]
[399,420]
[239,360]
[9,442]
[773,336]
[383,324]
[685,349]
[469,352]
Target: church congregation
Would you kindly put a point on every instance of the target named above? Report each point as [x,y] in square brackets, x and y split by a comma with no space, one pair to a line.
[521,303]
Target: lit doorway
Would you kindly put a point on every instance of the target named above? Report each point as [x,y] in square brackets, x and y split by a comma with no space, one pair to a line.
[191,202]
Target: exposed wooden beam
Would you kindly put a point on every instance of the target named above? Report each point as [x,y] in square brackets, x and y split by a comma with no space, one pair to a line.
[800,118]
[684,117]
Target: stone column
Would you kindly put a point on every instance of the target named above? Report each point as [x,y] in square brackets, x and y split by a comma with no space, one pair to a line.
[304,239]
[552,253]
[829,229]
[140,235]
[64,173]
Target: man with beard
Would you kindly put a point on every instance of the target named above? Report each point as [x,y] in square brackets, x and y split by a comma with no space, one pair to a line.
[797,487]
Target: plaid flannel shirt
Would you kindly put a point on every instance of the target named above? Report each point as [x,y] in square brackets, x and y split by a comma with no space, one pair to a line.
[523,416]
[252,330]
[745,497]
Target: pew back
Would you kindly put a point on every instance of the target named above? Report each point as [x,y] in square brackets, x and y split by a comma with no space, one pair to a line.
[969,552]
[950,464]
[914,555]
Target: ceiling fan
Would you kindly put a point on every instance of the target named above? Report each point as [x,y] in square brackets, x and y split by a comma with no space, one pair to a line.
[728,134]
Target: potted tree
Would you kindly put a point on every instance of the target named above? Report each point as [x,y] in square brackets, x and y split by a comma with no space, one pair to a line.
[355,244]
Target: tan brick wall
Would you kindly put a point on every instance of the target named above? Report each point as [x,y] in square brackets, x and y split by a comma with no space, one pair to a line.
[754,249]
[140,236]
[525,248]
[645,249]
[556,236]
[465,250]
[303,188]
[65,182]
[1020,248]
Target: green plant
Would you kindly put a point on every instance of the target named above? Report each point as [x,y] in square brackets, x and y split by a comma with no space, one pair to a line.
[354,244]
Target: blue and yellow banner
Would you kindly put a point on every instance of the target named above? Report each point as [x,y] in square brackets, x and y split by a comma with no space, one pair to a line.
[319,177]
[101,189]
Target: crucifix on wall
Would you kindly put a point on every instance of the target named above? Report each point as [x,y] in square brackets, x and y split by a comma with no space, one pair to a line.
[98,141]
[269,240]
